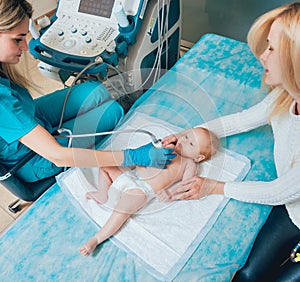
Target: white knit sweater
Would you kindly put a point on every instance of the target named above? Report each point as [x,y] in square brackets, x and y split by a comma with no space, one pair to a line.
[286,129]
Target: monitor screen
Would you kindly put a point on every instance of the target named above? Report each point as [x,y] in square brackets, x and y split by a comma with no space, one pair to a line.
[101,8]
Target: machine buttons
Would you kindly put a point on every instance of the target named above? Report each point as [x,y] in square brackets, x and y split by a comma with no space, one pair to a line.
[106,34]
[69,43]
[111,46]
[88,40]
[74,30]
[72,35]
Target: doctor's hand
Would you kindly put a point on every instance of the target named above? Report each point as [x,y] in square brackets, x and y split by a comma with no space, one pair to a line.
[148,155]
[196,188]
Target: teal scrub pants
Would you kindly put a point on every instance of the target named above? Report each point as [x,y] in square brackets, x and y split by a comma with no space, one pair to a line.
[89,109]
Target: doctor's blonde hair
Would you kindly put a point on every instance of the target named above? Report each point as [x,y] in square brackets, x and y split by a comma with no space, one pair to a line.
[289,16]
[12,14]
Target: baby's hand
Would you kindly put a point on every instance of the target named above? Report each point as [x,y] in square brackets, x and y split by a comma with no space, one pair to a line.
[169,141]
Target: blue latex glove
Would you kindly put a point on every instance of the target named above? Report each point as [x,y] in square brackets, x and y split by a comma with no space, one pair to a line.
[148,155]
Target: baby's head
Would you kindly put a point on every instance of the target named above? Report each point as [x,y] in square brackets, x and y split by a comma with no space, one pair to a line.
[197,143]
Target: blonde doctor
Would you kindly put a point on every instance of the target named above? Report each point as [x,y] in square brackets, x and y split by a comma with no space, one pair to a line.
[26,124]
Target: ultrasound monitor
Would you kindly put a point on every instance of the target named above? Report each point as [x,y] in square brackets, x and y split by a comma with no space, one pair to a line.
[101,8]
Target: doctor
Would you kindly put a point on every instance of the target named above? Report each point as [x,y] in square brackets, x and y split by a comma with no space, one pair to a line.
[275,40]
[26,124]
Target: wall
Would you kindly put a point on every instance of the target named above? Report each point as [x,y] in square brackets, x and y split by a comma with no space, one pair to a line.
[231,18]
[42,7]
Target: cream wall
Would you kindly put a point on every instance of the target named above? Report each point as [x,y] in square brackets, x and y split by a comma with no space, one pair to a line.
[42,7]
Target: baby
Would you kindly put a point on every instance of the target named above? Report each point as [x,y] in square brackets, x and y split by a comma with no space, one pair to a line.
[138,186]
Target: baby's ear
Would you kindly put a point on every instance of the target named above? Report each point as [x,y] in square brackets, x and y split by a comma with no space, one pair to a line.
[199,159]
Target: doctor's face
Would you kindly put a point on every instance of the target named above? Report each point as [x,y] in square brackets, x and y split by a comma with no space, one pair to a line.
[270,58]
[13,43]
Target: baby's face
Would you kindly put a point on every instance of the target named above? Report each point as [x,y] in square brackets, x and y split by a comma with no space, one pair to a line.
[192,144]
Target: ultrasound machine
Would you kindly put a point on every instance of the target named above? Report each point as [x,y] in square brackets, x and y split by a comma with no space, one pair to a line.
[136,38]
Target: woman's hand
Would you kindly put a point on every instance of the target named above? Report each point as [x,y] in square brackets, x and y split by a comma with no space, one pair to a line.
[194,188]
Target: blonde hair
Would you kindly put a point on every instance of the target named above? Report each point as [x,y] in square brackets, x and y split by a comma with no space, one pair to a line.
[212,145]
[289,16]
[12,14]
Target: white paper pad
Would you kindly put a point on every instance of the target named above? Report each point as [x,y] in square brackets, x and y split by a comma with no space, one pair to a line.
[163,235]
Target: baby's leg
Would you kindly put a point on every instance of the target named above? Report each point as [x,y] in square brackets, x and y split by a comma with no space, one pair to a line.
[105,178]
[130,202]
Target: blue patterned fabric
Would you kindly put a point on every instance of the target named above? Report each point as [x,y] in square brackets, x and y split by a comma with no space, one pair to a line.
[217,76]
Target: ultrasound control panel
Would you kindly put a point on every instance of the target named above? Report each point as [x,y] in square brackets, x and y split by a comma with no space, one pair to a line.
[84,28]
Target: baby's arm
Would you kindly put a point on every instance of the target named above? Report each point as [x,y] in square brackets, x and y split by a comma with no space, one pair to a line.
[190,170]
[130,202]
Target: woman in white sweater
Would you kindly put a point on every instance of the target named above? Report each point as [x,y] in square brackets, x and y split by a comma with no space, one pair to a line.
[275,40]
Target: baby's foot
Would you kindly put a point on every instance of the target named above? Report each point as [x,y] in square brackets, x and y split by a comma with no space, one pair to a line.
[89,246]
[98,197]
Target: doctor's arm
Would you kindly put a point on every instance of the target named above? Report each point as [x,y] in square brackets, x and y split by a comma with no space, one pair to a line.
[44,144]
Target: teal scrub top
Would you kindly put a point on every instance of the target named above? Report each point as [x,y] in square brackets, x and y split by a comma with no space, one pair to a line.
[20,113]
[17,118]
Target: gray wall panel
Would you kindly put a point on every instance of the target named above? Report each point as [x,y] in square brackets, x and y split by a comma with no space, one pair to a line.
[231,18]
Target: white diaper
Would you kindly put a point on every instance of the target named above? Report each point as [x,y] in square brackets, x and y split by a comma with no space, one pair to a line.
[127,181]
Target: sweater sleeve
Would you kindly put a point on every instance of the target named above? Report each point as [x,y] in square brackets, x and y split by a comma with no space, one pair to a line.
[246,120]
[283,190]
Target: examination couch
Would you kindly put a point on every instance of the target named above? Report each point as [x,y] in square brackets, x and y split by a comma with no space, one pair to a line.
[217,76]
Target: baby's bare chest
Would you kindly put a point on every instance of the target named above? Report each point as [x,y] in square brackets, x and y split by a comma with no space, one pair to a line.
[163,178]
